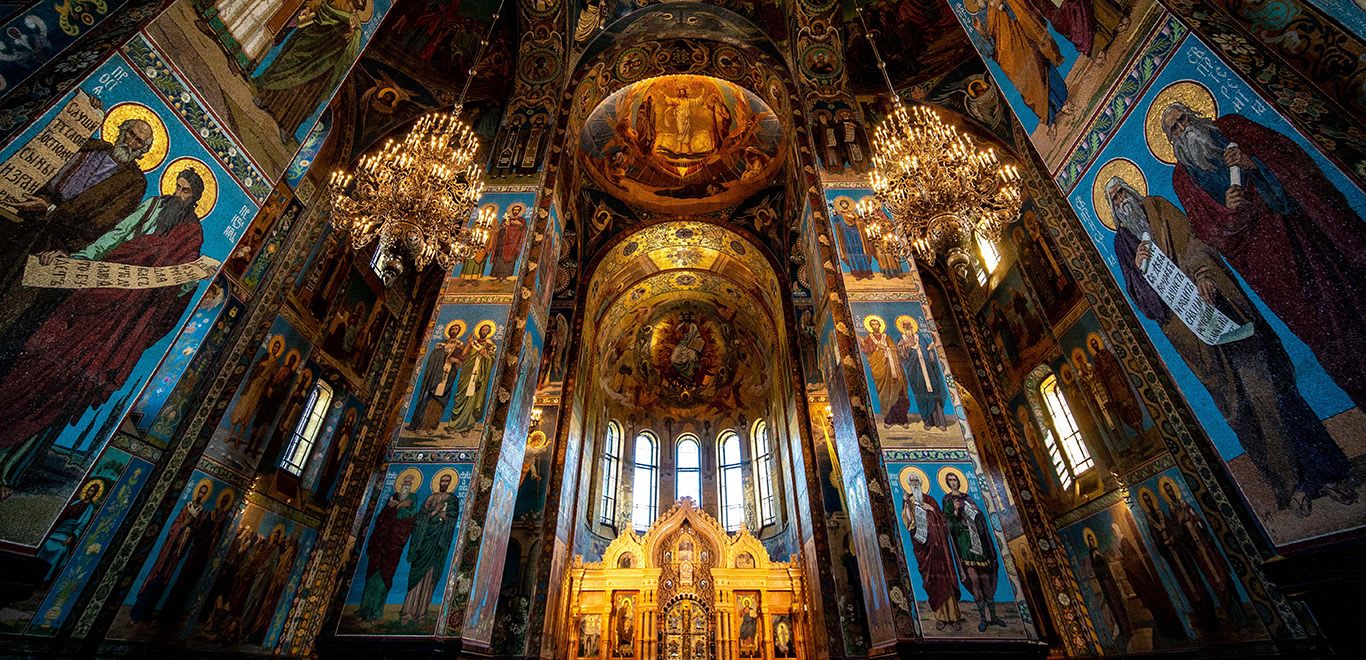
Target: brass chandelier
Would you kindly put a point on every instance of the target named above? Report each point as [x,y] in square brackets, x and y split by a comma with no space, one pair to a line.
[940,187]
[417,195]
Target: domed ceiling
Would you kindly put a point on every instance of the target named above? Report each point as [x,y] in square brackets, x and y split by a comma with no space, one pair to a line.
[682,144]
[684,321]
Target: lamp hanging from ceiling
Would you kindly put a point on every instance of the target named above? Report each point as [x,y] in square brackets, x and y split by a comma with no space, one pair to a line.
[417,194]
[939,186]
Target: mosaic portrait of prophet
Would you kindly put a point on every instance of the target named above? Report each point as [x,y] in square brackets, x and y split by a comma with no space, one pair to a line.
[682,143]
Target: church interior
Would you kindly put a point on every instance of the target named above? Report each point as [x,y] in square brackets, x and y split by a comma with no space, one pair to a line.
[682,329]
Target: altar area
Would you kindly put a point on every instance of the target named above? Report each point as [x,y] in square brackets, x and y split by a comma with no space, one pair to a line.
[686,590]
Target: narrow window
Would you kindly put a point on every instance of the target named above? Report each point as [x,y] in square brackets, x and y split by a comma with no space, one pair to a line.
[611,469]
[991,257]
[1064,432]
[646,485]
[688,469]
[306,430]
[732,491]
[763,471]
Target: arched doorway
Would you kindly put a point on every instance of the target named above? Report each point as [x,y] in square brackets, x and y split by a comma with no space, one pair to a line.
[687,630]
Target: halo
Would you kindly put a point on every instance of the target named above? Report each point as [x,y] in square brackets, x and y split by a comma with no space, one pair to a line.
[1195,96]
[1151,494]
[202,482]
[273,342]
[279,527]
[1088,341]
[905,478]
[907,320]
[1078,351]
[161,142]
[973,6]
[867,321]
[1087,534]
[415,473]
[228,493]
[483,323]
[518,206]
[844,204]
[1176,488]
[455,479]
[294,352]
[99,488]
[207,200]
[537,439]
[459,327]
[366,13]
[1126,170]
[947,470]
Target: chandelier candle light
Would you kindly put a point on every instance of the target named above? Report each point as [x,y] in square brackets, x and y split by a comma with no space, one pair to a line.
[418,195]
[939,186]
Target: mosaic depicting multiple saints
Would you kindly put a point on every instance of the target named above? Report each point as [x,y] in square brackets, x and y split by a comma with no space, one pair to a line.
[1237,209]
[400,583]
[119,232]
[952,550]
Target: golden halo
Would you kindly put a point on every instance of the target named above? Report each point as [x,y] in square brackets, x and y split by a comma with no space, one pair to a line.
[1151,494]
[208,199]
[1126,170]
[455,479]
[973,6]
[1079,353]
[294,352]
[413,472]
[367,12]
[483,323]
[279,527]
[1175,488]
[905,479]
[99,488]
[202,482]
[868,320]
[947,470]
[226,498]
[844,204]
[537,439]
[1087,535]
[272,343]
[905,320]
[161,142]
[1195,96]
[516,209]
[459,329]
[1099,338]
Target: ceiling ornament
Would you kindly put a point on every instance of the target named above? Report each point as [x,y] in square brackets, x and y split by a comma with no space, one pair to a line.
[935,186]
[417,195]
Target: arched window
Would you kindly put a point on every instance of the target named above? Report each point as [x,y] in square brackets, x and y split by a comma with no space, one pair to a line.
[646,488]
[688,469]
[306,430]
[732,491]
[763,471]
[611,470]
[1074,459]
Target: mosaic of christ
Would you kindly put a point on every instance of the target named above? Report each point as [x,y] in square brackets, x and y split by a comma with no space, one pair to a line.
[682,144]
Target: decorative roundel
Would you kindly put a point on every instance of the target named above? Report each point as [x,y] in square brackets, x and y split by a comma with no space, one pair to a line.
[540,66]
[632,64]
[821,61]
[541,8]
[818,6]
[730,64]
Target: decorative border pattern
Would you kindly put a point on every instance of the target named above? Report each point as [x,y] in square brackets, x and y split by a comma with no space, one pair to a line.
[1163,43]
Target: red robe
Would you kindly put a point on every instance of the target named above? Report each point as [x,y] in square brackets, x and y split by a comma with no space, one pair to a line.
[87,348]
[933,557]
[1308,266]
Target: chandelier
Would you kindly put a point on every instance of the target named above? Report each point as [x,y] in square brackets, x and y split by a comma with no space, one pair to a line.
[417,195]
[939,186]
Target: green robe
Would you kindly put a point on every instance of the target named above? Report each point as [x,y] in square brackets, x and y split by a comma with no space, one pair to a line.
[470,388]
[432,535]
[311,64]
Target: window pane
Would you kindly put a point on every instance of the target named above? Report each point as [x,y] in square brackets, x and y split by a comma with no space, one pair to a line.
[1065,431]
[732,497]
[645,490]
[611,461]
[763,472]
[687,471]
[305,434]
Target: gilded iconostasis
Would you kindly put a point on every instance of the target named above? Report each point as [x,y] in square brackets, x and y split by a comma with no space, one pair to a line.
[682,399]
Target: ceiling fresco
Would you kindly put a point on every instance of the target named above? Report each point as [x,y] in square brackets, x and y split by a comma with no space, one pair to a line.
[917,40]
[688,340]
[683,144]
